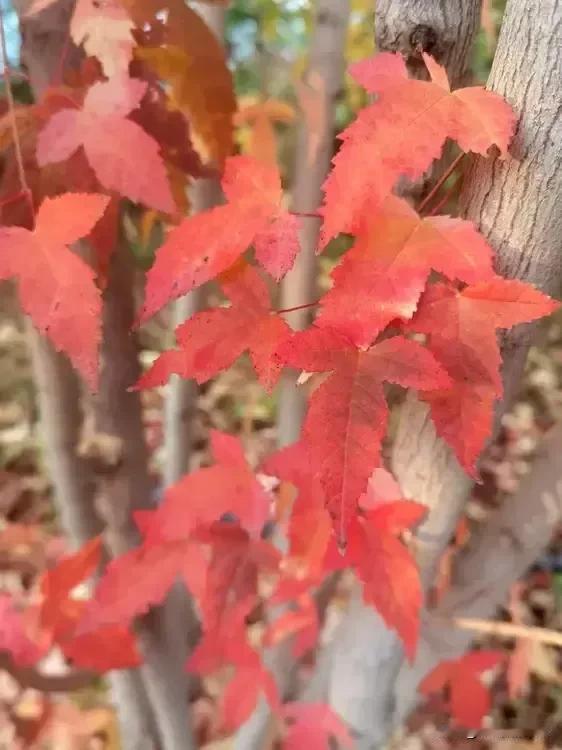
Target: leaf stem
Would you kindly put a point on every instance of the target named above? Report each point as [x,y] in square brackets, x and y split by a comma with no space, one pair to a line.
[297,307]
[59,71]
[307,214]
[455,187]
[12,109]
[446,174]
[12,198]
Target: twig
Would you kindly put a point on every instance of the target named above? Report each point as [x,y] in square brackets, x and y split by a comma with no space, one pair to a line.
[510,630]
[307,214]
[29,677]
[455,188]
[298,307]
[446,174]
[59,72]
[13,198]
[12,109]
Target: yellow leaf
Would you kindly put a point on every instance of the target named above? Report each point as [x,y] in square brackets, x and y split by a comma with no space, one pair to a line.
[105,31]
[26,121]
[189,56]
[259,118]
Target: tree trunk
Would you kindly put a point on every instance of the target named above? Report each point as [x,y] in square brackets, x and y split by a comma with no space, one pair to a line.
[357,671]
[500,552]
[313,154]
[181,403]
[128,487]
[325,78]
[59,393]
[516,204]
[444,29]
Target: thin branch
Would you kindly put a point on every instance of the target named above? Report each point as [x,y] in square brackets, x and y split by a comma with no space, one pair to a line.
[446,174]
[13,198]
[29,677]
[455,188]
[12,110]
[510,630]
[307,214]
[298,307]
[59,72]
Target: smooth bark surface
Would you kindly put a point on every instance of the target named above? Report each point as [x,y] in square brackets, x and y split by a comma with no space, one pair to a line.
[362,662]
[58,386]
[59,395]
[516,204]
[313,153]
[128,487]
[181,402]
[500,552]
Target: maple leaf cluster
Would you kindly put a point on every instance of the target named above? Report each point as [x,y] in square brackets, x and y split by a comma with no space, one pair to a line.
[109,131]
[385,320]
[383,291]
[380,292]
[53,619]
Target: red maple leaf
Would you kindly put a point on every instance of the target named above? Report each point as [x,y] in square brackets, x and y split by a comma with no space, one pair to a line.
[347,414]
[56,584]
[15,637]
[309,528]
[402,133]
[462,328]
[170,548]
[153,567]
[57,288]
[243,691]
[383,275]
[206,244]
[249,681]
[123,156]
[388,571]
[204,496]
[230,593]
[469,698]
[300,622]
[58,617]
[312,725]
[102,650]
[212,340]
[232,575]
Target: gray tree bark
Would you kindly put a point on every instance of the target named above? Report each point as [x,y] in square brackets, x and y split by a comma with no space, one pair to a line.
[59,395]
[357,671]
[516,204]
[181,402]
[501,551]
[325,77]
[444,29]
[128,487]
